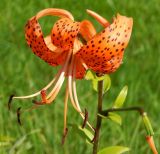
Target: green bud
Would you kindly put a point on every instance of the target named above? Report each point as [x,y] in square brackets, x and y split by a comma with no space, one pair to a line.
[147,124]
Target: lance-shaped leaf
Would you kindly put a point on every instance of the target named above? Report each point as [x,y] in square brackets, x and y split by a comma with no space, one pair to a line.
[90,75]
[114,150]
[115,117]
[106,83]
[112,116]
[82,132]
[121,98]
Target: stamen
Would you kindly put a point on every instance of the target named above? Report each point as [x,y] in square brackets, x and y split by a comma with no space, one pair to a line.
[64,136]
[55,93]
[51,96]
[18,116]
[65,108]
[43,95]
[26,110]
[57,84]
[76,98]
[84,65]
[70,87]
[59,81]
[94,137]
[37,103]
[10,101]
[62,73]
[55,79]
[37,93]
[85,119]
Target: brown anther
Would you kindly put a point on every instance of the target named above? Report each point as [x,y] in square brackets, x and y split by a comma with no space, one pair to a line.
[94,138]
[64,135]
[18,116]
[85,119]
[10,101]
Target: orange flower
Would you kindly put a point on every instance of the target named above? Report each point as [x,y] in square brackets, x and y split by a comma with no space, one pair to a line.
[102,52]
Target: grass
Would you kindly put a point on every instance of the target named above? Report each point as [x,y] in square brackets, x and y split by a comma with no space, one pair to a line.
[23,73]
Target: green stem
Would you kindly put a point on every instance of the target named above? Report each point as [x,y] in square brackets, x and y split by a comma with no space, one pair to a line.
[134,108]
[99,119]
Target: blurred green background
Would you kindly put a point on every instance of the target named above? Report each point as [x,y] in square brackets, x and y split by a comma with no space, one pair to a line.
[21,72]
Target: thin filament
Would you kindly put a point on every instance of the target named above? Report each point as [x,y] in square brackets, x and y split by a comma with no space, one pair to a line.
[60,79]
[54,80]
[45,88]
[55,93]
[76,98]
[70,86]
[62,73]
[65,108]
[84,65]
[35,94]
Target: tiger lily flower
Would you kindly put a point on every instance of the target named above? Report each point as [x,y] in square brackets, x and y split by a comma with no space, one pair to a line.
[102,52]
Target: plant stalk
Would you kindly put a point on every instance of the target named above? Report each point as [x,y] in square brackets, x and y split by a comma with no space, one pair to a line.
[99,119]
[133,108]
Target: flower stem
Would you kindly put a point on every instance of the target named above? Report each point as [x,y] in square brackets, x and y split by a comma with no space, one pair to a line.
[133,108]
[99,119]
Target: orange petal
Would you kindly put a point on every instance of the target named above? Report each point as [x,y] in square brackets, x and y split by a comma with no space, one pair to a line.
[87,30]
[44,48]
[80,70]
[99,18]
[64,33]
[104,52]
[54,12]
[35,40]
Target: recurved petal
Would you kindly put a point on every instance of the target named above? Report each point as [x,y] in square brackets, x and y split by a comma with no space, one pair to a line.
[40,46]
[54,12]
[80,70]
[104,52]
[87,30]
[99,18]
[64,33]
[44,48]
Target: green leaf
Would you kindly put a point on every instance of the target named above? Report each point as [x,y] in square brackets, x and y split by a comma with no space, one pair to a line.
[106,83]
[121,98]
[83,132]
[114,150]
[112,116]
[115,117]
[89,75]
